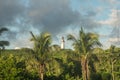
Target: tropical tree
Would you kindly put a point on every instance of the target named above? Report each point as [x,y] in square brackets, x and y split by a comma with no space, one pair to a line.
[3,43]
[112,49]
[83,46]
[113,58]
[41,49]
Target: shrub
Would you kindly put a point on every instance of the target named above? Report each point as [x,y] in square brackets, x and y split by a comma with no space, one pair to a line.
[106,76]
[95,76]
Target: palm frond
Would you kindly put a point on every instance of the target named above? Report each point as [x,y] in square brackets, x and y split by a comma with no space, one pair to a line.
[41,43]
[4,43]
[33,37]
[85,42]
[71,37]
[2,30]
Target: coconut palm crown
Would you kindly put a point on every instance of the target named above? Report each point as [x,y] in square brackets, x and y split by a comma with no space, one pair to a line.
[83,45]
[85,42]
[41,48]
[2,42]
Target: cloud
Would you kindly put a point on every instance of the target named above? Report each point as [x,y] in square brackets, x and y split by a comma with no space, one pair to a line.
[113,2]
[113,23]
[113,40]
[54,16]
[9,10]
[113,19]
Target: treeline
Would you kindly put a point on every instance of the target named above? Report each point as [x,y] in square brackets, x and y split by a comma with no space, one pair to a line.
[87,61]
[64,65]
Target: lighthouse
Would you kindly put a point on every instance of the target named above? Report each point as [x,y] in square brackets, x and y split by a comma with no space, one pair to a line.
[62,43]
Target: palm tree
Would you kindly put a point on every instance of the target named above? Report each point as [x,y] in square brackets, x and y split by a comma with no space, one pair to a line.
[83,46]
[3,43]
[112,49]
[41,49]
[113,57]
[2,30]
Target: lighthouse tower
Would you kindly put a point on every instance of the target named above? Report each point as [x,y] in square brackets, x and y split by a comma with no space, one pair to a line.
[62,43]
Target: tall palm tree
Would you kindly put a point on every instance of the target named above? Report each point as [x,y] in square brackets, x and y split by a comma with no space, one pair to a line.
[3,43]
[41,49]
[113,57]
[83,46]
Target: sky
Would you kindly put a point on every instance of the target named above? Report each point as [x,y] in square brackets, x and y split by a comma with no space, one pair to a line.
[60,18]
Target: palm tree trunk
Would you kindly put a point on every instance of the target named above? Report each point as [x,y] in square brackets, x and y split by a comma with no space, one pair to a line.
[85,70]
[112,71]
[113,76]
[83,64]
[41,71]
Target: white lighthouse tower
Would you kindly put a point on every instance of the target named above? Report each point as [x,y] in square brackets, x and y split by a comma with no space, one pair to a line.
[62,43]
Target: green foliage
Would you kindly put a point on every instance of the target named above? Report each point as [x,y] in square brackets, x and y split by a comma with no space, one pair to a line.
[95,76]
[106,76]
[85,42]
[11,68]
[14,68]
[41,51]
[70,67]
[41,43]
[84,45]
[2,30]
[3,43]
[65,64]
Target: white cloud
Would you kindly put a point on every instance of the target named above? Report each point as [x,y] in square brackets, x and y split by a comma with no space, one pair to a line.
[113,18]
[113,40]
[112,3]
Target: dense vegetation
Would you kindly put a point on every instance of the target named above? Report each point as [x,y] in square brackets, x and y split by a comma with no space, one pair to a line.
[87,61]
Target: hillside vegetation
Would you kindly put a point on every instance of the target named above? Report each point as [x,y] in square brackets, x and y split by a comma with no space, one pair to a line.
[87,61]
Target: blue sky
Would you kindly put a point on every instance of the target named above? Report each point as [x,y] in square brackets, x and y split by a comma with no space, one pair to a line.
[59,17]
[102,11]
